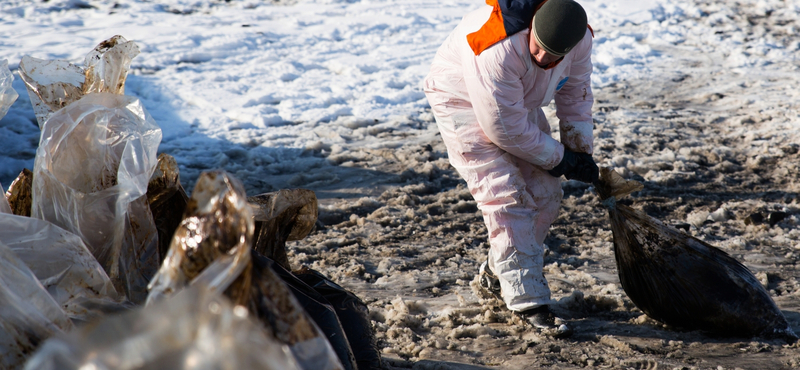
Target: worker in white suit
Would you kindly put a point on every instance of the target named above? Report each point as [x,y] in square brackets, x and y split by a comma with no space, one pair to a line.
[487,85]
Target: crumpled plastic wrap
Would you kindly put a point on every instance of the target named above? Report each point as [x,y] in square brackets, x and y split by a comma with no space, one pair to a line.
[682,281]
[63,265]
[28,314]
[211,248]
[94,160]
[7,93]
[194,330]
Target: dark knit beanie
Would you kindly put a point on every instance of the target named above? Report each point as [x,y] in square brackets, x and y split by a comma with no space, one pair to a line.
[559,25]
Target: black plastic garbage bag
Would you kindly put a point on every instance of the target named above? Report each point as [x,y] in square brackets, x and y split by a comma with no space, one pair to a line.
[353,314]
[20,196]
[682,281]
[320,310]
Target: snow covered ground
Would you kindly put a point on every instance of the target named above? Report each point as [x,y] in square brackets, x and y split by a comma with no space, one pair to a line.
[697,99]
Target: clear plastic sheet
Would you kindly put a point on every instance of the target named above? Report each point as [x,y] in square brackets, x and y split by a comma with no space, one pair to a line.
[7,93]
[92,167]
[64,266]
[682,281]
[192,330]
[28,314]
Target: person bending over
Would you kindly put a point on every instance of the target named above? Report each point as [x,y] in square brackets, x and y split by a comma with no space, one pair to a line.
[487,85]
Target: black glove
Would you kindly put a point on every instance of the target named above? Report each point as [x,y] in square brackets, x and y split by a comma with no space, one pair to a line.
[577,166]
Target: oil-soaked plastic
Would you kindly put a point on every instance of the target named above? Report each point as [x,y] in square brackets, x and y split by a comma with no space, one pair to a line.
[28,314]
[211,248]
[20,198]
[287,214]
[7,93]
[167,200]
[63,265]
[108,64]
[194,330]
[216,230]
[95,158]
[682,281]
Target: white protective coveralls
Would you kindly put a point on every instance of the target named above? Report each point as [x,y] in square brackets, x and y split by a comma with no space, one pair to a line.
[488,110]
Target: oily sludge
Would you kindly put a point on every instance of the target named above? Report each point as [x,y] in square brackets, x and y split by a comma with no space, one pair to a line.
[682,281]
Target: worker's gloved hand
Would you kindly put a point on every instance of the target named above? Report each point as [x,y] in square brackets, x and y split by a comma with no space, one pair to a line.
[577,166]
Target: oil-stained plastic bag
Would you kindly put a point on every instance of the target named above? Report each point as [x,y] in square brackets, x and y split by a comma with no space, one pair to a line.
[54,84]
[19,194]
[64,266]
[193,330]
[211,248]
[94,161]
[682,281]
[167,200]
[51,84]
[90,176]
[214,236]
[28,314]
[106,67]
[287,214]
[7,93]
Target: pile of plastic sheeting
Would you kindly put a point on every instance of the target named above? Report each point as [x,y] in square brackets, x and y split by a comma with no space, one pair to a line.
[682,281]
[107,263]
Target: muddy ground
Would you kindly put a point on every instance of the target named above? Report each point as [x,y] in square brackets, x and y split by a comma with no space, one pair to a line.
[717,150]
